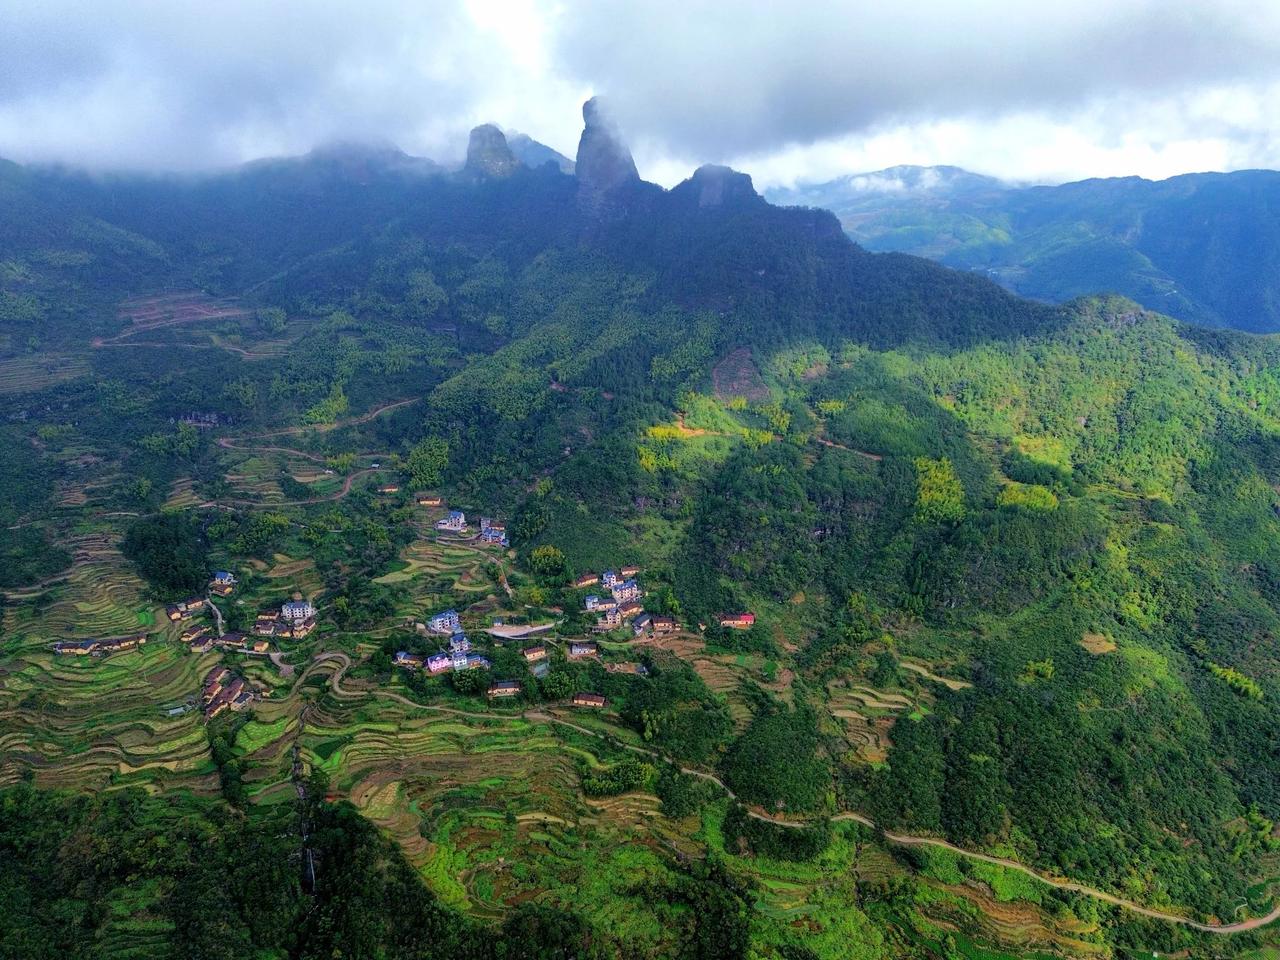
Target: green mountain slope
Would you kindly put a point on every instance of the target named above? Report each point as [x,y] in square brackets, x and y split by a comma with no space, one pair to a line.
[1199,247]
[1013,567]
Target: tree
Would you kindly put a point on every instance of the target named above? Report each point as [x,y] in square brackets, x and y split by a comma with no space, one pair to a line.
[939,495]
[469,681]
[548,561]
[427,461]
[169,551]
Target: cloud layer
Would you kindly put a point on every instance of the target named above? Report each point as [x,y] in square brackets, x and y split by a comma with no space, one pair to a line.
[1024,91]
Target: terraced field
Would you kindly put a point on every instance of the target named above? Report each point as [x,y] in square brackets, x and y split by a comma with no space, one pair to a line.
[866,716]
[87,722]
[28,374]
[437,572]
[99,597]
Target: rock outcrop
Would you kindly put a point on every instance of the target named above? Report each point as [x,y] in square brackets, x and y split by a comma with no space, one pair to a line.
[716,186]
[488,154]
[604,168]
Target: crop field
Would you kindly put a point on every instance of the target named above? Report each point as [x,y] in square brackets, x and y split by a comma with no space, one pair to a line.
[866,716]
[29,374]
[88,722]
[173,309]
[99,597]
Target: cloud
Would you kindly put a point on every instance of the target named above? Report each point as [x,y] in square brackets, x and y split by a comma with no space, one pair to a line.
[158,84]
[733,79]
[800,91]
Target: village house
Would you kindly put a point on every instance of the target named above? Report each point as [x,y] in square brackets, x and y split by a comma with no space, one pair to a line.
[203,644]
[439,663]
[632,608]
[191,634]
[448,622]
[213,680]
[610,579]
[410,661]
[625,590]
[610,620]
[427,500]
[389,488]
[583,648]
[118,644]
[456,522]
[223,583]
[532,654]
[493,533]
[185,609]
[265,625]
[504,688]
[233,641]
[592,700]
[650,624]
[302,628]
[628,571]
[458,643]
[595,603]
[79,648]
[297,610]
[737,621]
[586,580]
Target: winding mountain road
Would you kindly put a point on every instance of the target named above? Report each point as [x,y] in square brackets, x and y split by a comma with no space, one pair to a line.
[906,840]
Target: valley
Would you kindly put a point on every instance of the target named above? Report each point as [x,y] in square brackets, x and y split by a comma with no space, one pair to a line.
[943,621]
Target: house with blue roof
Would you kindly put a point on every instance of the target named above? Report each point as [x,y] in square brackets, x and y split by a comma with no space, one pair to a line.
[455,522]
[447,622]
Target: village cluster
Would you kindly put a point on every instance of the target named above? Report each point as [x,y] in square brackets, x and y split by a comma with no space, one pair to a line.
[623,604]
[491,531]
[224,690]
[458,656]
[98,648]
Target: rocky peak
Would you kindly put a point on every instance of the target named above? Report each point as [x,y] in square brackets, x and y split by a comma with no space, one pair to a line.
[488,154]
[604,163]
[715,186]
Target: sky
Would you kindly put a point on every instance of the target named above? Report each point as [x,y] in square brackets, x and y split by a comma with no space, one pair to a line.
[802,92]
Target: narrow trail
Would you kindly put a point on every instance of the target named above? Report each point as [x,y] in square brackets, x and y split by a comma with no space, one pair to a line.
[908,840]
[326,427]
[238,443]
[338,495]
[840,446]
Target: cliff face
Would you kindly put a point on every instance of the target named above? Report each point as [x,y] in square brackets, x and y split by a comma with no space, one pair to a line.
[604,167]
[488,153]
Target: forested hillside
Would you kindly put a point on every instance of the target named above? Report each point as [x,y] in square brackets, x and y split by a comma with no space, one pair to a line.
[1199,247]
[948,572]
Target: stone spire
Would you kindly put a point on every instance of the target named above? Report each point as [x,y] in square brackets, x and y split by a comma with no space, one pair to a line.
[488,154]
[604,163]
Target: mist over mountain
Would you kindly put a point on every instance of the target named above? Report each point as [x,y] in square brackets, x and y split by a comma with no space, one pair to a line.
[1200,247]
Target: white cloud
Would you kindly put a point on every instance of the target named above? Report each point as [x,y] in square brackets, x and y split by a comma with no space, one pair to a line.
[1023,91]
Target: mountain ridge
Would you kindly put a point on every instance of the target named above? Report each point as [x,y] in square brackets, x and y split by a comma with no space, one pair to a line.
[1203,247]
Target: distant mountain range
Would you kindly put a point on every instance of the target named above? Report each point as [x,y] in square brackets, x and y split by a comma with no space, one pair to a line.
[1201,247]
